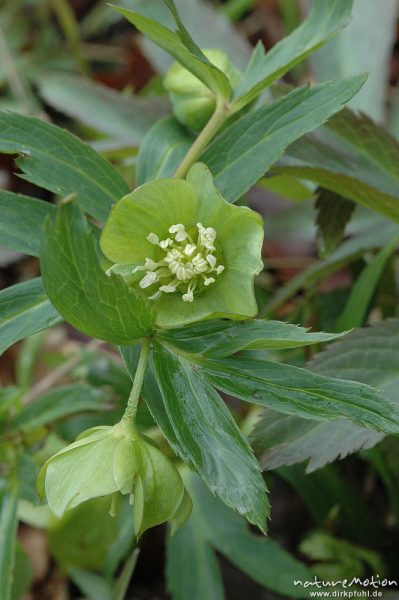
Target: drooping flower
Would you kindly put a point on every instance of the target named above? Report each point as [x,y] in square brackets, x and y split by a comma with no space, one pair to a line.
[192,252]
[193,103]
[106,460]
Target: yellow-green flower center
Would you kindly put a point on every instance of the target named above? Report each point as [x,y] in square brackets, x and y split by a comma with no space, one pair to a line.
[187,264]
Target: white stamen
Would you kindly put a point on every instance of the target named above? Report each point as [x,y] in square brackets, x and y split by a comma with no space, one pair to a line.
[180,231]
[168,289]
[165,243]
[153,238]
[186,262]
[211,260]
[189,249]
[148,279]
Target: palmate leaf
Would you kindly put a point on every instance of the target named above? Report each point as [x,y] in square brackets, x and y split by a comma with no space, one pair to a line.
[98,305]
[21,222]
[356,158]
[369,355]
[24,310]
[182,47]
[56,160]
[242,153]
[297,391]
[200,429]
[326,19]
[218,339]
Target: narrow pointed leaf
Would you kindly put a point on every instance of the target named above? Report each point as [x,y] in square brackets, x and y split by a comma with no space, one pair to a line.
[98,305]
[183,49]
[24,310]
[207,438]
[8,539]
[242,154]
[326,19]
[22,219]
[56,160]
[299,392]
[356,158]
[369,355]
[218,339]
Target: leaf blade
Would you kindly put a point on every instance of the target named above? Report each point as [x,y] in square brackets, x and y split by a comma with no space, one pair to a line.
[324,22]
[218,339]
[25,309]
[56,160]
[293,390]
[241,154]
[98,305]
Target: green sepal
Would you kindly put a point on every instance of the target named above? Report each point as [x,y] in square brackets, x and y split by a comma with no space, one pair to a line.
[157,205]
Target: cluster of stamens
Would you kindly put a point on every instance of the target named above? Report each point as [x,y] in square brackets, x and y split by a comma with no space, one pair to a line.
[187,264]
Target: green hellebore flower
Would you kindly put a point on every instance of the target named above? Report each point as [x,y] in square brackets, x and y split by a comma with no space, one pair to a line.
[193,103]
[194,253]
[106,460]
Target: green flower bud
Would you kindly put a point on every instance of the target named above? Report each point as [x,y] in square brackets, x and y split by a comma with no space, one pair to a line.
[106,460]
[193,103]
[193,253]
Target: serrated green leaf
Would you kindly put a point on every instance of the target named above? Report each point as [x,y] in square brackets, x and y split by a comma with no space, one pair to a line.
[356,158]
[205,20]
[323,23]
[369,355]
[22,220]
[24,310]
[180,45]
[242,154]
[56,404]
[284,440]
[218,339]
[201,430]
[363,288]
[297,391]
[56,160]
[98,305]
[122,117]
[263,559]
[8,539]
[162,150]
[333,214]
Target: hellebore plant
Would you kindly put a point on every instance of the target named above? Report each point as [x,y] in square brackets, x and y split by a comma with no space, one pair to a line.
[166,273]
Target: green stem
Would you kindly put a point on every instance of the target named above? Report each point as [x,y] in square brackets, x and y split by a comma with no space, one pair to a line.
[132,403]
[206,135]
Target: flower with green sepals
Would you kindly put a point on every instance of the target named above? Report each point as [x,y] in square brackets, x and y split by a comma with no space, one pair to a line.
[107,460]
[193,103]
[195,254]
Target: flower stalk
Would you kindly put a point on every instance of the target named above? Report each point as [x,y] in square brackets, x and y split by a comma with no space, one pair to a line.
[205,137]
[132,403]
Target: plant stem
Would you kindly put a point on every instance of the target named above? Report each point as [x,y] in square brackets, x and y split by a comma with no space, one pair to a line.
[206,135]
[132,403]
